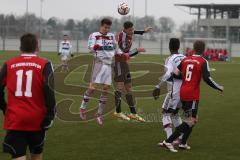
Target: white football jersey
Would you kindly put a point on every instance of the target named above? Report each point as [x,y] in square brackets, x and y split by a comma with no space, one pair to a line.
[107,46]
[65,47]
[171,64]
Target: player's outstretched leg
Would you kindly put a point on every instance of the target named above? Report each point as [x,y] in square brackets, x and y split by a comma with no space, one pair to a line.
[167,124]
[84,106]
[176,121]
[118,102]
[102,104]
[185,137]
[190,108]
[183,128]
[62,67]
[66,67]
[118,113]
[133,115]
[63,64]
[85,101]
[187,134]
[179,130]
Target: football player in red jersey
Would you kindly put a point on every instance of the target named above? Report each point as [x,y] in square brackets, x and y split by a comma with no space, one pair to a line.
[30,107]
[122,71]
[193,69]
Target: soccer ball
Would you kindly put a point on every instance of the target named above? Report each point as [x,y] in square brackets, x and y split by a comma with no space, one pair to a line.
[123,8]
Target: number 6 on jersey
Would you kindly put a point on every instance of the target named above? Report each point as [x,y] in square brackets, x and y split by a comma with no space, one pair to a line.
[189,72]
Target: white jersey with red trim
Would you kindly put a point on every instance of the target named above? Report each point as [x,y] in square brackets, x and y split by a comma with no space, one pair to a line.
[107,46]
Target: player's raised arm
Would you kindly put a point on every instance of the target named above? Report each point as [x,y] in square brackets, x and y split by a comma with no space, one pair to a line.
[49,96]
[207,78]
[146,30]
[3,74]
[135,51]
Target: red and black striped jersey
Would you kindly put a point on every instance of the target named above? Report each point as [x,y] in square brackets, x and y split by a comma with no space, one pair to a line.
[125,41]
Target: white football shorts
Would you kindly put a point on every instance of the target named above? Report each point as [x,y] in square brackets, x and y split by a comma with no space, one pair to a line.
[101,73]
[172,99]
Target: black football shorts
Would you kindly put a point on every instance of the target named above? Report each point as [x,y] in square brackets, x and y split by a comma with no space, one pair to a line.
[190,108]
[122,72]
[17,142]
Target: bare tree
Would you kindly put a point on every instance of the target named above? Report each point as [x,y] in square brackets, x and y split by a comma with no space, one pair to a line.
[166,24]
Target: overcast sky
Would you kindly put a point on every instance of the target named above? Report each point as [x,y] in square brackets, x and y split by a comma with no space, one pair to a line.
[79,9]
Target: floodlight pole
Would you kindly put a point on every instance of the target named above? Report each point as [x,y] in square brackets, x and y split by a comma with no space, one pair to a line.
[229,45]
[146,7]
[40,25]
[26,23]
[133,12]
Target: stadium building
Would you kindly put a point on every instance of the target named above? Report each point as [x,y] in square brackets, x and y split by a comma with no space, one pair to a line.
[217,21]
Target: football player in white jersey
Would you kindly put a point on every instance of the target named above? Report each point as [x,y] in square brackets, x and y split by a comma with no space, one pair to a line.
[104,46]
[172,101]
[65,52]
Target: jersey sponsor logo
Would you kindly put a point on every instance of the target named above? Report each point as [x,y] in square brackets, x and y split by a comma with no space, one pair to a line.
[192,60]
[26,64]
[100,37]
[107,43]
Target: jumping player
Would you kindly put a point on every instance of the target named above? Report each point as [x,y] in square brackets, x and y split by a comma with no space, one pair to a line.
[172,101]
[65,52]
[30,107]
[193,69]
[103,45]
[122,71]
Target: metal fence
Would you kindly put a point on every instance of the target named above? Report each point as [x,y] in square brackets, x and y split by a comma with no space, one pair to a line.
[158,46]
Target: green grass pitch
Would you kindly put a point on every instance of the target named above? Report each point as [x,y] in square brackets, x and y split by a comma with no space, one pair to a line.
[216,136]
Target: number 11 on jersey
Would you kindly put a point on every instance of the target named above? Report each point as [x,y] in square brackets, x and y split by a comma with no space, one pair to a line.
[28,91]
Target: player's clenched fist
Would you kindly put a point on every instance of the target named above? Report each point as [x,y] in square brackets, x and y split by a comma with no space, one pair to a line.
[96,47]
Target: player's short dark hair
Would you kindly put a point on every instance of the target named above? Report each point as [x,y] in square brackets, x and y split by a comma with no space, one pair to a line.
[127,25]
[174,44]
[106,21]
[199,47]
[29,43]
